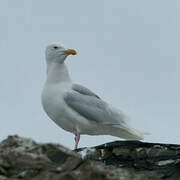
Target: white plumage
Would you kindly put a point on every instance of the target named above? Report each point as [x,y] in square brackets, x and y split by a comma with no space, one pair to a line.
[77,109]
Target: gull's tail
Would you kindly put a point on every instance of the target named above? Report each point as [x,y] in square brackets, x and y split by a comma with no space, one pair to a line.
[127,133]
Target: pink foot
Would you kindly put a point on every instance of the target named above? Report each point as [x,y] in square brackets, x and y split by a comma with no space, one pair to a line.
[77,138]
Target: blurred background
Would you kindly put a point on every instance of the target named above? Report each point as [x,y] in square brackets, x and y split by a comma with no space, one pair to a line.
[128,54]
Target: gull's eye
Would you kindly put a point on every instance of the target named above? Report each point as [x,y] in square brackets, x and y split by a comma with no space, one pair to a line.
[55,47]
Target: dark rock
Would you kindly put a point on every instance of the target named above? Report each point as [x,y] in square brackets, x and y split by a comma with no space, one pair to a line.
[22,158]
[148,160]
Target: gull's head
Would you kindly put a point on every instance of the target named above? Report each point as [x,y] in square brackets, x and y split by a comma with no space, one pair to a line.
[57,53]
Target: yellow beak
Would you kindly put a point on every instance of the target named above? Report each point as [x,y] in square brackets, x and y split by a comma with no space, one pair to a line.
[70,51]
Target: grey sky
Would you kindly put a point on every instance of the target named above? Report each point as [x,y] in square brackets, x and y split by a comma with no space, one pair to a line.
[128,53]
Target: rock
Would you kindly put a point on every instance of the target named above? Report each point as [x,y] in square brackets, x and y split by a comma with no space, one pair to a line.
[138,159]
[23,158]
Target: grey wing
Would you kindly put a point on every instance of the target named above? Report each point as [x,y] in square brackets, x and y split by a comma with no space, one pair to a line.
[83,90]
[94,109]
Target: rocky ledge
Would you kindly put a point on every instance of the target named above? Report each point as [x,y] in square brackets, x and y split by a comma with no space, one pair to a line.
[23,158]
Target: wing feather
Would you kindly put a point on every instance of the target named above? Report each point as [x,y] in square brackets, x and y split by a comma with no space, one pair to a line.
[94,109]
[83,90]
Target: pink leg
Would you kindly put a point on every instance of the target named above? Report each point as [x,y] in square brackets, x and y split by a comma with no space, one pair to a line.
[77,138]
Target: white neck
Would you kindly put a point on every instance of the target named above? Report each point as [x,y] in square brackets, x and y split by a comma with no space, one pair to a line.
[57,73]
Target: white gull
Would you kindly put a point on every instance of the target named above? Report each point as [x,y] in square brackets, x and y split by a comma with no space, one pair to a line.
[77,109]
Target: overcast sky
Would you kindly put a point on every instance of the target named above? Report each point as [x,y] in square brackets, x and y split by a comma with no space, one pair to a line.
[128,54]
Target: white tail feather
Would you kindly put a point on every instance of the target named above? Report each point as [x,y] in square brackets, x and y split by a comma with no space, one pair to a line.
[127,133]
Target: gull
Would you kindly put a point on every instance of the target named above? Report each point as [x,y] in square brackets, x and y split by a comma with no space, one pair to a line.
[77,109]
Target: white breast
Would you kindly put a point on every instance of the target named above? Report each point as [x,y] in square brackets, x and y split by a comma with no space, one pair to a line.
[56,108]
[54,105]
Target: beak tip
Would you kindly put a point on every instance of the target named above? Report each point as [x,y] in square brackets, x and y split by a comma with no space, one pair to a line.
[70,52]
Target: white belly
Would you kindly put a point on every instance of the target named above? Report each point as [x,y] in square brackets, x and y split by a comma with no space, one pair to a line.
[56,108]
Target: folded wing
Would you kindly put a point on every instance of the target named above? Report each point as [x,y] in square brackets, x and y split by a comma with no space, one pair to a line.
[89,105]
